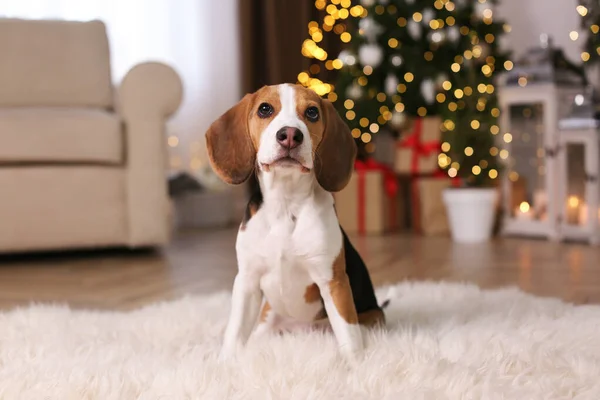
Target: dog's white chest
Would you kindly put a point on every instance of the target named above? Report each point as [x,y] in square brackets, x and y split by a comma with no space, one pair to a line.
[286,291]
[278,250]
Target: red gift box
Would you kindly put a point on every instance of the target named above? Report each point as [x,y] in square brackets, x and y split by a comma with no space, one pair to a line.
[428,210]
[418,148]
[370,203]
[417,158]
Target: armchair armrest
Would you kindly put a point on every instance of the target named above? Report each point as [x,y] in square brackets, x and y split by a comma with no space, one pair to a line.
[150,88]
[149,94]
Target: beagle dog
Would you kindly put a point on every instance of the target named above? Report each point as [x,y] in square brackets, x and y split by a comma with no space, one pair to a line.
[296,266]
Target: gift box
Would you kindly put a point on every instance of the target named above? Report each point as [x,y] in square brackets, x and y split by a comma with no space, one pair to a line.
[418,148]
[371,202]
[427,206]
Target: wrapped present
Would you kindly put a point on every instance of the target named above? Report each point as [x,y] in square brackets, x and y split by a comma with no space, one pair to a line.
[417,149]
[370,203]
[427,206]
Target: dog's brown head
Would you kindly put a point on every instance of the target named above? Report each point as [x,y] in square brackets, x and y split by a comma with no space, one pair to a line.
[283,126]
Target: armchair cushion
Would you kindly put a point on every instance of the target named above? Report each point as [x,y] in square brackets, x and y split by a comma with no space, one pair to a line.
[60,135]
[54,63]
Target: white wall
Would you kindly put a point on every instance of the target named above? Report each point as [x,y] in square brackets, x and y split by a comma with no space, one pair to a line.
[214,84]
[208,50]
[530,18]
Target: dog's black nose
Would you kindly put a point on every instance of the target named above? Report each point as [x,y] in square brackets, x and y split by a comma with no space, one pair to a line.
[289,137]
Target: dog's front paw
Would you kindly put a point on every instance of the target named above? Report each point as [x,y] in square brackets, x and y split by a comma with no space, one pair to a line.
[227,353]
[352,354]
[353,348]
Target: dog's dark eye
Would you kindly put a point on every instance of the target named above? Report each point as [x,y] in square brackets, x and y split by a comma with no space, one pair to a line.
[312,114]
[265,110]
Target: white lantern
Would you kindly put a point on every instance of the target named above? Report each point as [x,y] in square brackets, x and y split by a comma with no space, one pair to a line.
[579,188]
[534,100]
[528,136]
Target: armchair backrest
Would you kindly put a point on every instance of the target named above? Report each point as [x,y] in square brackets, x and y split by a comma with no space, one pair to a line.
[54,63]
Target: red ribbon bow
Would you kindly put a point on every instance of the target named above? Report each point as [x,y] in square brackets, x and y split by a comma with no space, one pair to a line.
[389,178]
[419,148]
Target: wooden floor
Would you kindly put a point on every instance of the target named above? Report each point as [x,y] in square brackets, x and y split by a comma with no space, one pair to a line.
[204,261]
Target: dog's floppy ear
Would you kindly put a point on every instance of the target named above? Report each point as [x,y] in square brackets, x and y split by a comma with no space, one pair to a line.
[230,149]
[335,154]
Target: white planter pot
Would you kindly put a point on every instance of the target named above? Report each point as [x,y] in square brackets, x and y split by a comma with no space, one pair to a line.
[470,213]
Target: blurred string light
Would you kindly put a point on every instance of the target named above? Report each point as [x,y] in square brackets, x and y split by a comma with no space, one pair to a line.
[173,141]
[336,12]
[574,35]
[592,41]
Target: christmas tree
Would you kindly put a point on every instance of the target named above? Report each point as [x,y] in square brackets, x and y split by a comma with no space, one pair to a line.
[415,58]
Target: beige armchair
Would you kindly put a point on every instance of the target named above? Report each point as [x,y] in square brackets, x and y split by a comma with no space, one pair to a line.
[82,165]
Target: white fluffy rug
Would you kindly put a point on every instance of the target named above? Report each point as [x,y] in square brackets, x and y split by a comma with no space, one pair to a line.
[445,341]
